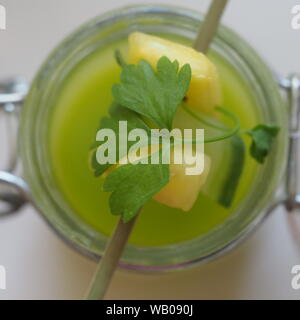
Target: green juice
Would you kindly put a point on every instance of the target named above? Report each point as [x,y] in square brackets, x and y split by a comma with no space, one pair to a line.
[83,99]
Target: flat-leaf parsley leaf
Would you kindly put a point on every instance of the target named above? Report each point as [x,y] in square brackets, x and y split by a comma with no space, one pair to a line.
[153,94]
[262,138]
[133,185]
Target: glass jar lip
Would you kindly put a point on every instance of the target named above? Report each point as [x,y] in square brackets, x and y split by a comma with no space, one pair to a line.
[134,11]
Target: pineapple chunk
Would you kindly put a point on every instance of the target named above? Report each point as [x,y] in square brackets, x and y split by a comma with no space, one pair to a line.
[182,190]
[204,92]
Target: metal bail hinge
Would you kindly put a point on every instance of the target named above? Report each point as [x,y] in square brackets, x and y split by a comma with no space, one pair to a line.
[14,192]
[292,85]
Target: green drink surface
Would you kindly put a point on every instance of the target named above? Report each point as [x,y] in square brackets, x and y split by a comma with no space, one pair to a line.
[83,99]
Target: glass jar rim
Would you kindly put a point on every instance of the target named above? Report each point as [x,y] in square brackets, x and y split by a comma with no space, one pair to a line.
[147,258]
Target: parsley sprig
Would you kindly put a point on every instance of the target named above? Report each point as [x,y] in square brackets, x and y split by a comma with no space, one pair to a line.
[144,95]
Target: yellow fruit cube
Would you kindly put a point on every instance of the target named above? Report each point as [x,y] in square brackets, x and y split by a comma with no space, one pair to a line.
[204,93]
[182,190]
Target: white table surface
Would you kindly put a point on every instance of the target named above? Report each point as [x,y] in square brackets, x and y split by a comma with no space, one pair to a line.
[40,266]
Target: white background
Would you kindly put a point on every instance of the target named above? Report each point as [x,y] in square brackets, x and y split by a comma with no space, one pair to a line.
[40,266]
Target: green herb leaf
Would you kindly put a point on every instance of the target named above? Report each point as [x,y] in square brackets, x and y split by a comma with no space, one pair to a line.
[133,185]
[226,170]
[262,138]
[117,113]
[155,95]
[234,172]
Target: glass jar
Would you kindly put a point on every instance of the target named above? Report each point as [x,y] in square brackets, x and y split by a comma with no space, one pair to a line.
[101,32]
